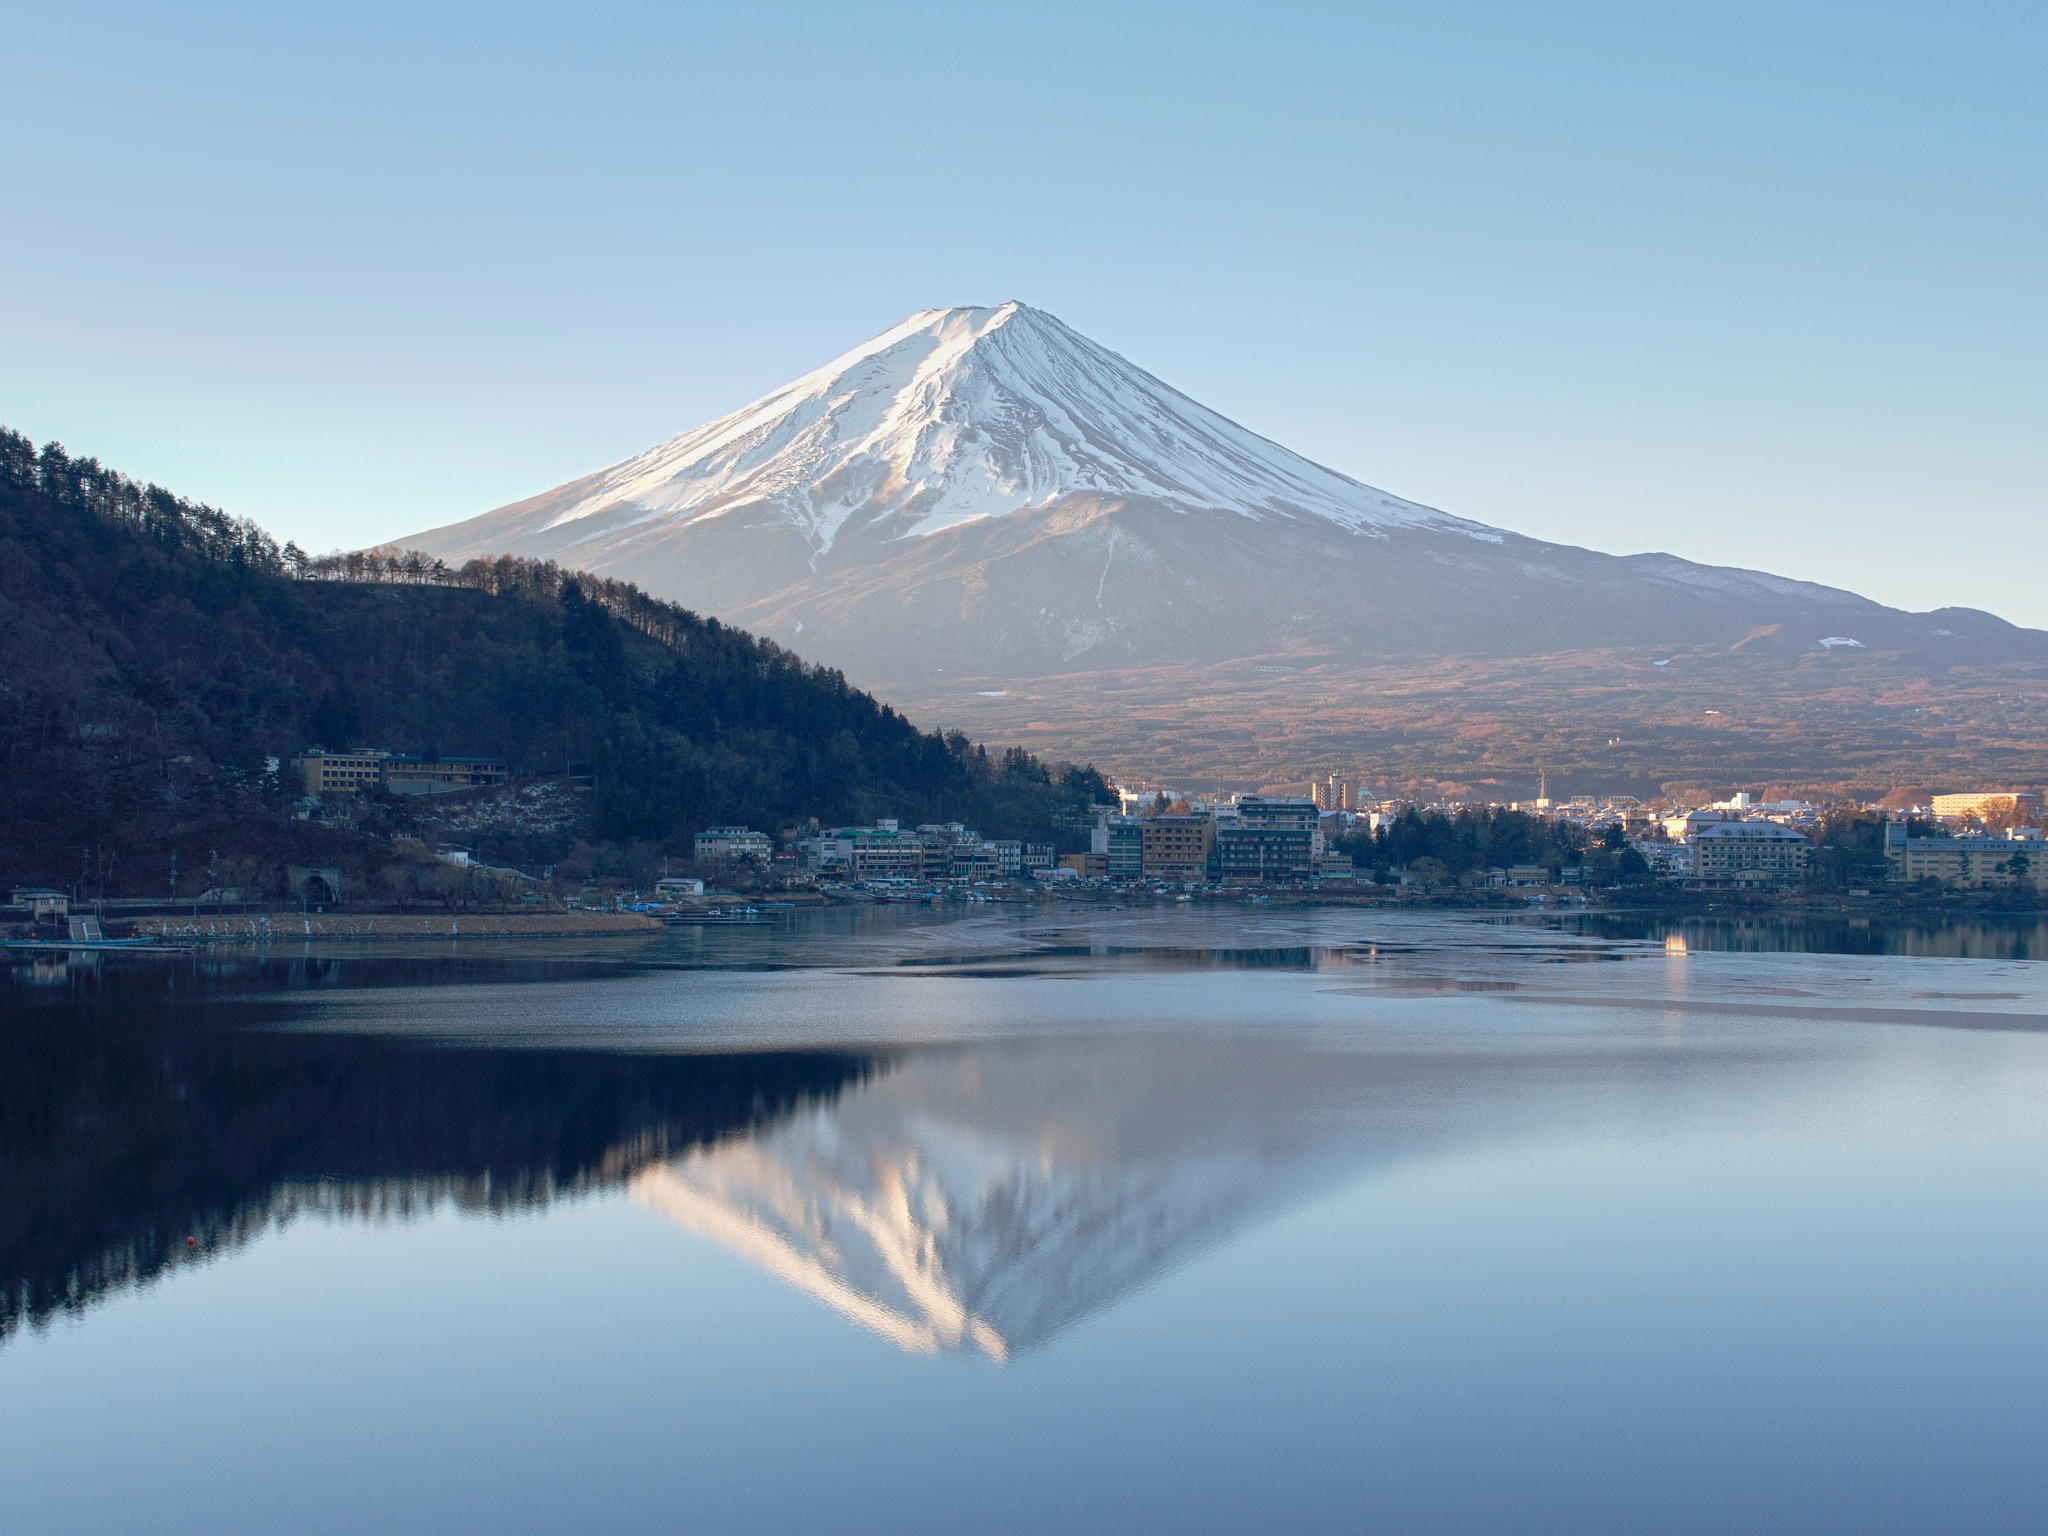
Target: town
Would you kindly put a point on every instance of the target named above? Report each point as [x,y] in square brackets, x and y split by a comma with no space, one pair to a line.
[1331,839]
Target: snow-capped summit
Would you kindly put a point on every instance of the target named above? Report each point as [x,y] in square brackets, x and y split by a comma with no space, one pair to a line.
[946,417]
[987,491]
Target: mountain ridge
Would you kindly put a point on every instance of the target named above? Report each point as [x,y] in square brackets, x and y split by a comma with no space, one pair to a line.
[983,470]
[981,499]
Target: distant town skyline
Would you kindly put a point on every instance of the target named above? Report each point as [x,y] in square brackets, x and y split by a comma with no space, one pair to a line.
[1756,287]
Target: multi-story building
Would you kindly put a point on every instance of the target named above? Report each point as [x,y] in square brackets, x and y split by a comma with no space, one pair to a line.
[442,775]
[1118,842]
[1741,853]
[881,851]
[1978,804]
[1176,847]
[1332,793]
[347,773]
[1679,828]
[974,861]
[734,845]
[1019,859]
[1265,853]
[340,773]
[1273,811]
[1966,861]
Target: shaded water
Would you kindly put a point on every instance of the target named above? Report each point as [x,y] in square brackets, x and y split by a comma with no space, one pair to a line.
[1094,1221]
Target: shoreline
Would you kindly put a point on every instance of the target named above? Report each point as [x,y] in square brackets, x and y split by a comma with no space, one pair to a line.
[299,926]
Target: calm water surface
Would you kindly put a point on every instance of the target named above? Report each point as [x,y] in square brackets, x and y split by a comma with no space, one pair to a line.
[1044,1220]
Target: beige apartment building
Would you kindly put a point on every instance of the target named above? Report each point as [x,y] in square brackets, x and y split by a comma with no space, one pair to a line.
[341,773]
[1977,804]
[1975,862]
[347,773]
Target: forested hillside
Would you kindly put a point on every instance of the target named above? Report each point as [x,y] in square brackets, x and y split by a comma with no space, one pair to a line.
[153,654]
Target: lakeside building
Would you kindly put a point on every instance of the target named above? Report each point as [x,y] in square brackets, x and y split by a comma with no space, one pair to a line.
[1269,838]
[934,851]
[733,844]
[883,851]
[40,902]
[1022,859]
[1746,853]
[1117,845]
[1176,847]
[1263,853]
[1975,862]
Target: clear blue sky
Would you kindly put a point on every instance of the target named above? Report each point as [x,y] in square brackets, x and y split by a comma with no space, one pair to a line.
[1757,283]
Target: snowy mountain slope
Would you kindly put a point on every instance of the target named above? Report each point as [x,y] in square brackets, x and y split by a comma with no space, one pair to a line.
[986,490]
[953,415]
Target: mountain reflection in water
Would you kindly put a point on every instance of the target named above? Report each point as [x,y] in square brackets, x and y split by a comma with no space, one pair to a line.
[984,1199]
[135,1138]
[953,1198]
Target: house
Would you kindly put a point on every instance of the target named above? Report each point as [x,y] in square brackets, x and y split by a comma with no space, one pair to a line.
[41,902]
[676,885]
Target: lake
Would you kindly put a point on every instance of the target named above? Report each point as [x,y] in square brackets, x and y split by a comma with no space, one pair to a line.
[1034,1219]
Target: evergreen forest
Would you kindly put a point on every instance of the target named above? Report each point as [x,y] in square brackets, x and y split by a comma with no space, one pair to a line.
[159,658]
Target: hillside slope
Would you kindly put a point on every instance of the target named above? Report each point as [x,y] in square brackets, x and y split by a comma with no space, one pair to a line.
[154,653]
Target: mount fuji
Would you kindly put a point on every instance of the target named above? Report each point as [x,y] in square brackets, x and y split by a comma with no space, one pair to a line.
[985,494]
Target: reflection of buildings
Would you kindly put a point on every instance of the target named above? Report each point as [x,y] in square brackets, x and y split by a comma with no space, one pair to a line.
[985,1200]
